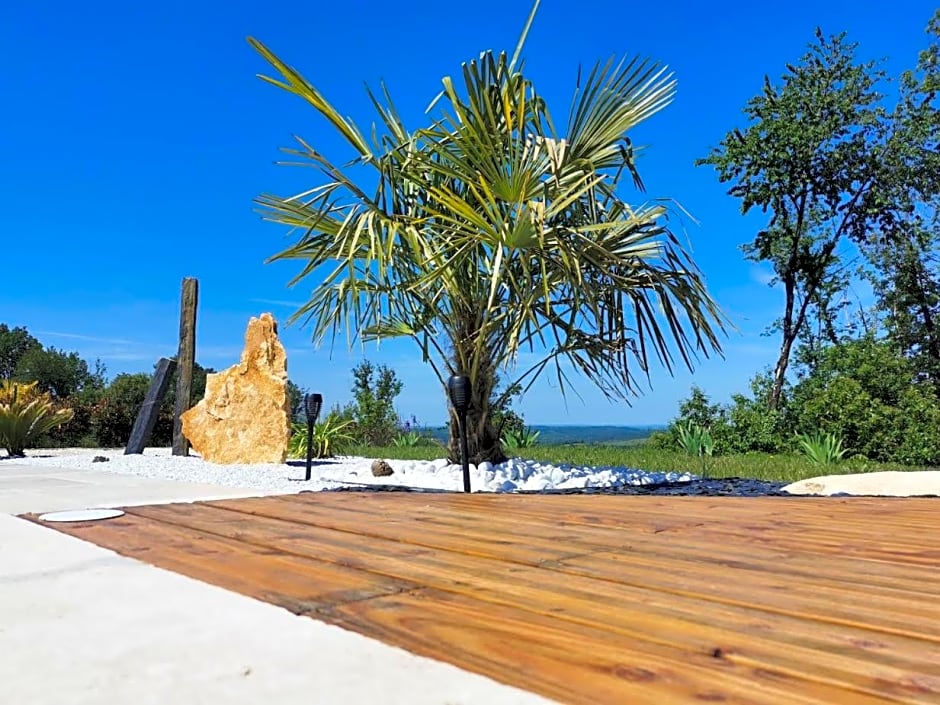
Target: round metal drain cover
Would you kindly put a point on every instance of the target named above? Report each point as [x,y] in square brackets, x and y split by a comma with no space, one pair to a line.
[82,515]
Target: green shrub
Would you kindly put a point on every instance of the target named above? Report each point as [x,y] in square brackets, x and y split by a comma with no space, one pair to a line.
[117,409]
[409,439]
[696,412]
[699,411]
[373,408]
[25,416]
[76,432]
[661,440]
[695,440]
[330,436]
[868,394]
[914,437]
[753,426]
[821,448]
[526,437]
[506,420]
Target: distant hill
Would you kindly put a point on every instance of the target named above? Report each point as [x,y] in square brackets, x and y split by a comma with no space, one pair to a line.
[589,435]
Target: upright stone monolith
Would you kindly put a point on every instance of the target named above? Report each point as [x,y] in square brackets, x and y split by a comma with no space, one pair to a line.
[185,359]
[245,415]
[150,409]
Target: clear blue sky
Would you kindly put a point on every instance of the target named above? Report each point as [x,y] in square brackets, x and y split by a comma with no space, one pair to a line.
[135,136]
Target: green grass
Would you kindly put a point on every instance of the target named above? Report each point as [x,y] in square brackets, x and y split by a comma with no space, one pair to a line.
[760,466]
[398,453]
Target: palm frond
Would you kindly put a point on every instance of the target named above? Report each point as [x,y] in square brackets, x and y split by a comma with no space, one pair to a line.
[488,234]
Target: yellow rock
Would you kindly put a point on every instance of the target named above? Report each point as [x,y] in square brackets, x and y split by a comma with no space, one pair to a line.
[245,415]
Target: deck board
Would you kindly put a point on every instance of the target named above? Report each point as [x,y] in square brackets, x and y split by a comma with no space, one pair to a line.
[592,599]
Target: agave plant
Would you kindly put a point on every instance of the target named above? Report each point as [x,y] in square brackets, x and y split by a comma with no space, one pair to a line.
[696,440]
[26,416]
[24,391]
[489,232]
[523,438]
[329,438]
[408,440]
[820,448]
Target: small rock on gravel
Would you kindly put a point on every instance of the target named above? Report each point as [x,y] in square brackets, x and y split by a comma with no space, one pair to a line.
[380,468]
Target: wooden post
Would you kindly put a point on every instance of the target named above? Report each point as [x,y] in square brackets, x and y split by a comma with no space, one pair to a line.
[185,359]
[150,409]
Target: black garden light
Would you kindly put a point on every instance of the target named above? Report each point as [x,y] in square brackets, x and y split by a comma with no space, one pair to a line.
[312,405]
[458,387]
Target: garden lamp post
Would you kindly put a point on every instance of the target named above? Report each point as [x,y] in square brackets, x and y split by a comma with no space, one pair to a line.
[458,387]
[312,405]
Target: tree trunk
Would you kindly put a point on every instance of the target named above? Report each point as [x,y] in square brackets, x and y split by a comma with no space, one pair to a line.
[780,371]
[791,331]
[483,442]
[793,324]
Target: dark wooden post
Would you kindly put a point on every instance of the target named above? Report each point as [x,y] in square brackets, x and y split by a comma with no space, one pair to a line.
[150,409]
[185,358]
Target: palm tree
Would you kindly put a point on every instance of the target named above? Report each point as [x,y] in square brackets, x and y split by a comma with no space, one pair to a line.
[489,234]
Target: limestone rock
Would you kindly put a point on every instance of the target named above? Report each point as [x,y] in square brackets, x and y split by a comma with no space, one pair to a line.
[245,415]
[380,468]
[890,483]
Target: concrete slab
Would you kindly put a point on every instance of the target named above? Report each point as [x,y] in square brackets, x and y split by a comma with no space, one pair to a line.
[82,625]
[34,488]
[879,484]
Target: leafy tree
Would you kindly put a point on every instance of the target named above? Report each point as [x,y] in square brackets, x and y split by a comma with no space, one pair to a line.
[14,343]
[699,410]
[699,413]
[117,408]
[61,374]
[810,158]
[505,419]
[489,232]
[745,425]
[908,288]
[865,391]
[198,389]
[296,396]
[753,425]
[906,251]
[373,409]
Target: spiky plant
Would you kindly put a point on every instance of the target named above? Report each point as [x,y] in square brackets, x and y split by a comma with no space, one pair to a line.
[490,232]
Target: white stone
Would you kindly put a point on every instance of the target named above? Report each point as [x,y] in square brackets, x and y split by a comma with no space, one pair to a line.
[882,484]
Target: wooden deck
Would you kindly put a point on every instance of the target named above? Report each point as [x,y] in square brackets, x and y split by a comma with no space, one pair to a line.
[592,599]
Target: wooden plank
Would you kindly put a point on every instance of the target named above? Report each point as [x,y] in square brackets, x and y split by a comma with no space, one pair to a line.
[906,515]
[419,530]
[715,622]
[631,512]
[590,605]
[585,665]
[401,529]
[446,570]
[798,562]
[298,584]
[624,508]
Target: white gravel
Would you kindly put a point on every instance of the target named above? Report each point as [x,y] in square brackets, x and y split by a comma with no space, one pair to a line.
[513,475]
